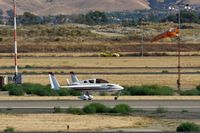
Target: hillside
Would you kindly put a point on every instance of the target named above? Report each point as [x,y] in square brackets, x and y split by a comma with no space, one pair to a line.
[53,7]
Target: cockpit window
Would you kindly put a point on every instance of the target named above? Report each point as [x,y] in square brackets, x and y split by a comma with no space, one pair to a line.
[91,81]
[101,81]
[85,81]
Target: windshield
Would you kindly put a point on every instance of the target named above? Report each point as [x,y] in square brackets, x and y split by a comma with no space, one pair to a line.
[101,81]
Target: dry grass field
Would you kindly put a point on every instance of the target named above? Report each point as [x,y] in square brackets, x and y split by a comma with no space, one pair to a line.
[188,81]
[166,61]
[82,38]
[59,122]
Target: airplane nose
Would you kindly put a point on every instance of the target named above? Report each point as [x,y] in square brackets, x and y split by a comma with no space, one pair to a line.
[118,87]
[121,88]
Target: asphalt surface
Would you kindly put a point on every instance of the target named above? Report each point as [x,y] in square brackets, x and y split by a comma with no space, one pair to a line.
[149,105]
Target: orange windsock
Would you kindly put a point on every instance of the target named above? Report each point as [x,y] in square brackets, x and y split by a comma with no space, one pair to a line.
[172,32]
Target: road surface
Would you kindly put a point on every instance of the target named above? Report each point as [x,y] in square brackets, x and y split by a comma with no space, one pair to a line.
[149,105]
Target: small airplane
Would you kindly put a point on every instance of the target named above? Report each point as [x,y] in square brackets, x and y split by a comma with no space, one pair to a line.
[86,86]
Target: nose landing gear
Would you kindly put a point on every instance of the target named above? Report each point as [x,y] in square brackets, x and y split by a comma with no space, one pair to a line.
[116,98]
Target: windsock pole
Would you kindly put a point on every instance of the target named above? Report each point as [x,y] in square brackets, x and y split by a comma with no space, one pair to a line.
[15,37]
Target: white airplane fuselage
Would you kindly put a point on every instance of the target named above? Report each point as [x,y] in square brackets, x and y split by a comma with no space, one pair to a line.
[101,87]
[90,85]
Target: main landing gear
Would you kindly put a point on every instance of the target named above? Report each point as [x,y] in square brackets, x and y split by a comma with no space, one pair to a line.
[86,96]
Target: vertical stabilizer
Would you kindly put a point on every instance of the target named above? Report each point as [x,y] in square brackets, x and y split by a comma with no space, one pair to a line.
[54,83]
[74,77]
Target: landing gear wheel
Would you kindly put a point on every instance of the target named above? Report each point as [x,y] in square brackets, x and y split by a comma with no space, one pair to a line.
[116,98]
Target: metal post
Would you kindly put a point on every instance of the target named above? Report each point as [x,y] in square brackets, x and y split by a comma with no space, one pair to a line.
[142,40]
[179,53]
[15,39]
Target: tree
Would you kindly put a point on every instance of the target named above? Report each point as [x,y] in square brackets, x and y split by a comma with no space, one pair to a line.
[29,18]
[92,18]
[186,17]
[1,13]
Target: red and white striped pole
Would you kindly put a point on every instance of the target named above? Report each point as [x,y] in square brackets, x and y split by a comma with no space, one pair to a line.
[15,37]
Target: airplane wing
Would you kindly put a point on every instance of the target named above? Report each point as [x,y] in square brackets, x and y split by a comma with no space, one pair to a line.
[86,87]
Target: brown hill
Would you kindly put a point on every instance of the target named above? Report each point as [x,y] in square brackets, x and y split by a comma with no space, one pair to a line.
[53,7]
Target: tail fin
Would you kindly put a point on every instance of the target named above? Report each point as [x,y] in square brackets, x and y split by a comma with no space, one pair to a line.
[74,77]
[54,83]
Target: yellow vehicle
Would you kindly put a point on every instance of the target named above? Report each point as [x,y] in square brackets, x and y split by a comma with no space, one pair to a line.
[109,54]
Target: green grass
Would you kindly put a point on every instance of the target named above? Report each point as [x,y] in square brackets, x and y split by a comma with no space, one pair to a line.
[58,110]
[161,110]
[96,108]
[121,108]
[188,127]
[99,108]
[38,89]
[148,90]
[75,111]
[9,129]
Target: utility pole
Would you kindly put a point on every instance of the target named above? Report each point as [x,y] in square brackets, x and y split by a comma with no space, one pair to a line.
[15,41]
[179,53]
[179,8]
[142,39]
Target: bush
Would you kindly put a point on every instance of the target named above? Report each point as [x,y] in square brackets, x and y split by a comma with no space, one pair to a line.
[75,111]
[74,93]
[193,92]
[58,110]
[121,108]
[9,129]
[198,87]
[63,92]
[95,108]
[161,110]
[16,91]
[89,109]
[188,127]
[148,90]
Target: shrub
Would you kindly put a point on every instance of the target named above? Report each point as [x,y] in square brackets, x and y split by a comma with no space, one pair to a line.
[161,110]
[8,87]
[16,91]
[58,110]
[198,87]
[96,108]
[121,108]
[42,92]
[74,93]
[9,129]
[89,109]
[63,92]
[148,90]
[75,111]
[193,92]
[188,127]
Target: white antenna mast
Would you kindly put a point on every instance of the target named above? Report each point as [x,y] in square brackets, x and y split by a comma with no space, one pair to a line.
[15,38]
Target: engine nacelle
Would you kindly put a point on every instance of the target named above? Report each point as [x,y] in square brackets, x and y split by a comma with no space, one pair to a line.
[86,97]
